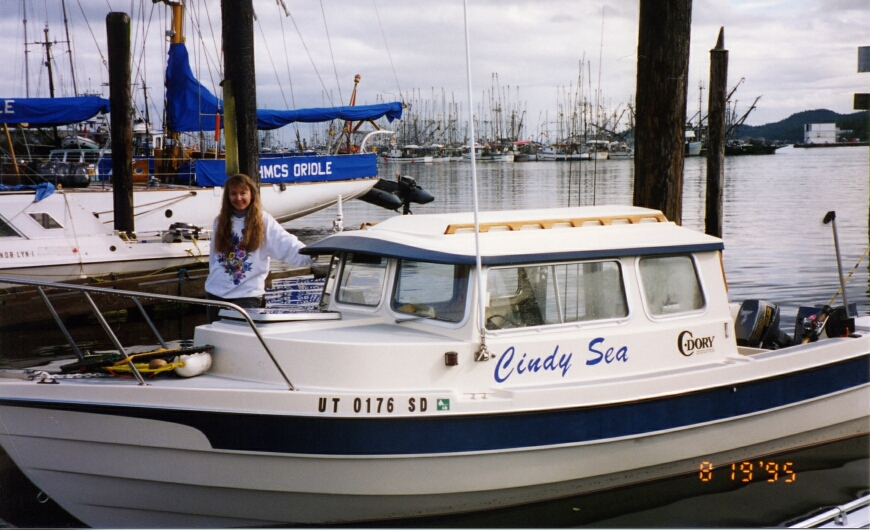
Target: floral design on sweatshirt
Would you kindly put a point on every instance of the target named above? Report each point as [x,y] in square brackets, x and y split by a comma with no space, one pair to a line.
[235,262]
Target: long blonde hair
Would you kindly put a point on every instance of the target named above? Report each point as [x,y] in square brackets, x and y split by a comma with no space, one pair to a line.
[254,232]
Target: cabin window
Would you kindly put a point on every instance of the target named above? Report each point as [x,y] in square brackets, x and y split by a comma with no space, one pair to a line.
[670,285]
[362,279]
[555,294]
[6,229]
[45,220]
[431,290]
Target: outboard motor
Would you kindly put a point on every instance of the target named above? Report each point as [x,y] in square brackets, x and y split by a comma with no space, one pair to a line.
[757,326]
[399,194]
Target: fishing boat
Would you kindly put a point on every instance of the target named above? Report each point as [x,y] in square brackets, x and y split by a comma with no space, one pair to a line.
[456,362]
[488,153]
[408,153]
[563,152]
[598,149]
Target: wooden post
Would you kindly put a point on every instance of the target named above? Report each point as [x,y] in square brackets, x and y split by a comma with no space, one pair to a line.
[716,135]
[231,133]
[238,36]
[121,104]
[662,77]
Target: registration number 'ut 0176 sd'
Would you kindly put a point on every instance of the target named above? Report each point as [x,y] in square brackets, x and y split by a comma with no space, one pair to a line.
[371,405]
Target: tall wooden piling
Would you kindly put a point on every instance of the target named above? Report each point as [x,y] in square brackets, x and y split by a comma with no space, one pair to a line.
[238,36]
[662,76]
[121,105]
[718,94]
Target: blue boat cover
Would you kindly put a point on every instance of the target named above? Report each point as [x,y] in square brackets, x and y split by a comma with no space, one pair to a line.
[192,107]
[43,189]
[46,112]
[295,169]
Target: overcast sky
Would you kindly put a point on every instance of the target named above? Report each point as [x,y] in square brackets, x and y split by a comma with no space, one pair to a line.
[797,54]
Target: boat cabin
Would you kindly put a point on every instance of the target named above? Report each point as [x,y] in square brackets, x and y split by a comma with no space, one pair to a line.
[613,287]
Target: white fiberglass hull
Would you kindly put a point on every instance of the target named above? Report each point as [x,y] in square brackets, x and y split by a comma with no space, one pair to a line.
[143,467]
[157,209]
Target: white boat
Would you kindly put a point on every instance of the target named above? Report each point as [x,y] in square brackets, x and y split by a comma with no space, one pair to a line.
[598,149]
[408,153]
[487,154]
[621,150]
[604,352]
[562,153]
[70,234]
[693,145]
[59,238]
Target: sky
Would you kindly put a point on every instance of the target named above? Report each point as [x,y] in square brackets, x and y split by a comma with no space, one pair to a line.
[796,54]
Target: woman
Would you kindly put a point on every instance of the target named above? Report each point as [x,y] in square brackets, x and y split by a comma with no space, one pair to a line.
[243,240]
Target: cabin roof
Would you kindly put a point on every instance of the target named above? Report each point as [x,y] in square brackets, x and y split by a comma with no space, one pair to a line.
[522,236]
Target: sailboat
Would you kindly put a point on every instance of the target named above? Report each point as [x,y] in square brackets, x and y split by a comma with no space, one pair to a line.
[291,187]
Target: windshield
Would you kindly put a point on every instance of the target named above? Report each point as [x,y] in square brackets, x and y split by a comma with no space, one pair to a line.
[431,290]
[362,279]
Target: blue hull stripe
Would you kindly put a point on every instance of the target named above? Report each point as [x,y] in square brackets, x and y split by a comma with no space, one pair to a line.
[434,433]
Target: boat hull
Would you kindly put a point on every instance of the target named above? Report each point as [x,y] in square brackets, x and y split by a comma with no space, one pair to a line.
[133,471]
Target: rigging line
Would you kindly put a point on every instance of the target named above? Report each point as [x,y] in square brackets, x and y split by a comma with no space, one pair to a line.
[310,58]
[329,42]
[102,57]
[200,54]
[215,41]
[287,61]
[141,72]
[388,49]
[269,53]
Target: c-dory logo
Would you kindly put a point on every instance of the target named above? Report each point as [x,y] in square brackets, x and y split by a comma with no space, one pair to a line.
[688,344]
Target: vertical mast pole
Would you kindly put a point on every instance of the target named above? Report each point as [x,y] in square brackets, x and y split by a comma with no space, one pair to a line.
[483,354]
[69,48]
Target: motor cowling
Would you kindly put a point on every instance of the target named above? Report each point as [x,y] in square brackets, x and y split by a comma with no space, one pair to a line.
[757,326]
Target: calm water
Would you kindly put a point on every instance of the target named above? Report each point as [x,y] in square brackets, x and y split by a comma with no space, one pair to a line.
[777,249]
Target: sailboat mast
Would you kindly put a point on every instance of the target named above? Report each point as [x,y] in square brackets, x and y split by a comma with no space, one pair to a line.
[26,52]
[69,48]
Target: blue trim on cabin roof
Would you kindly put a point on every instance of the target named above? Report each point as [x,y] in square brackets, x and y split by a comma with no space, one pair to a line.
[379,247]
[445,433]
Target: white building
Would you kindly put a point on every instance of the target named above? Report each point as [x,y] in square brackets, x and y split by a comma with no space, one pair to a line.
[820,133]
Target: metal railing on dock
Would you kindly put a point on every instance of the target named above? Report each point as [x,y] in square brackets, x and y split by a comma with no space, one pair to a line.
[86,292]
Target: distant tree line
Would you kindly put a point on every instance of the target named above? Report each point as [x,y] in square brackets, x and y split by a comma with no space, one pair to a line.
[791,129]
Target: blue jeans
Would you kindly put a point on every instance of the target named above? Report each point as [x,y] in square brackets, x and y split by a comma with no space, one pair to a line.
[245,303]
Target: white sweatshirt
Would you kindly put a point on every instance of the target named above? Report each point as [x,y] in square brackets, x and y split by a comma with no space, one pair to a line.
[240,274]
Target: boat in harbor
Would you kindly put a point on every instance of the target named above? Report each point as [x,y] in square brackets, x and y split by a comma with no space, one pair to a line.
[739,147]
[598,149]
[563,152]
[488,153]
[408,153]
[80,240]
[692,143]
[592,347]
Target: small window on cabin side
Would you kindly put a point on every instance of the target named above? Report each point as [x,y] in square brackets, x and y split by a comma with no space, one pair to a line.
[670,285]
[362,279]
[431,290]
[6,229]
[45,220]
[555,294]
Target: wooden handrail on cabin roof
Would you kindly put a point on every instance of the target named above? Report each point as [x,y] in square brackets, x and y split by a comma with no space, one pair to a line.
[550,223]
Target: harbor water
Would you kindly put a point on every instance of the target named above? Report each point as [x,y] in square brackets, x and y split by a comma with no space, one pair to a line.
[777,248]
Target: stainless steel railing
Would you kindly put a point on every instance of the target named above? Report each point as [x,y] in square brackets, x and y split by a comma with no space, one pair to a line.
[135,296]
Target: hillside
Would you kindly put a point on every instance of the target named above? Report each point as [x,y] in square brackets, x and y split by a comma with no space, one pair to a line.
[791,129]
